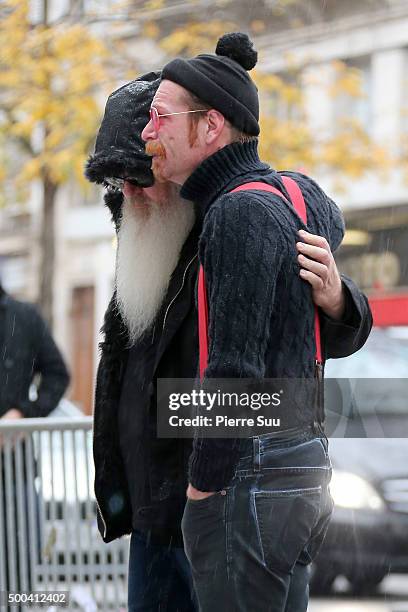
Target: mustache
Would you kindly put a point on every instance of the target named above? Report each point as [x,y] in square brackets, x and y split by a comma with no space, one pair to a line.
[155,148]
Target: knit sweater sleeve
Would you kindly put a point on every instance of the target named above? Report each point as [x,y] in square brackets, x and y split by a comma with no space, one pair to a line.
[241,250]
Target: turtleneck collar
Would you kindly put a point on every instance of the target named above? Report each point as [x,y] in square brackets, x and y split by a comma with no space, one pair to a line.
[221,172]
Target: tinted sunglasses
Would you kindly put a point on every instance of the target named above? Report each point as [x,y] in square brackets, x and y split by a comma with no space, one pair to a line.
[155,117]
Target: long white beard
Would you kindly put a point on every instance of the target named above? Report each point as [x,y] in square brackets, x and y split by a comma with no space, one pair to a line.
[150,239]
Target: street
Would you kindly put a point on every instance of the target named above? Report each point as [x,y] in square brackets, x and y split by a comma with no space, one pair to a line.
[392,597]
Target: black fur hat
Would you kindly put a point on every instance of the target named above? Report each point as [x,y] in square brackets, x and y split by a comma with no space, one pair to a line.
[119,149]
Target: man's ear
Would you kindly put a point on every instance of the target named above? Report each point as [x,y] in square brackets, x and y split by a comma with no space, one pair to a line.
[214,125]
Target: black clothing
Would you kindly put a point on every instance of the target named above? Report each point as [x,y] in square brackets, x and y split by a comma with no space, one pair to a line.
[131,421]
[2,322]
[156,470]
[159,577]
[119,148]
[256,538]
[261,321]
[141,480]
[28,349]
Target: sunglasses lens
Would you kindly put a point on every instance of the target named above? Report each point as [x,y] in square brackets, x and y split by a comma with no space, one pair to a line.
[154,116]
[116,183]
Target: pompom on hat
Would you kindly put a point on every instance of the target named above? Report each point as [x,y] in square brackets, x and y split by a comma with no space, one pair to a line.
[222,80]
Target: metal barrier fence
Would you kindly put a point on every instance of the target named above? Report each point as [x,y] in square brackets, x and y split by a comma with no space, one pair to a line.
[49,539]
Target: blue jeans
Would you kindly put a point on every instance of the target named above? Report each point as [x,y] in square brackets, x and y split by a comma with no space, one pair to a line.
[251,544]
[159,578]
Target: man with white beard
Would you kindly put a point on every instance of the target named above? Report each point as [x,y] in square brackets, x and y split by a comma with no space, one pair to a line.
[154,226]
[150,332]
[155,223]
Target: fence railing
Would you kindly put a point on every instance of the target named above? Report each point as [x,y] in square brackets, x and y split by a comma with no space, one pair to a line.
[49,539]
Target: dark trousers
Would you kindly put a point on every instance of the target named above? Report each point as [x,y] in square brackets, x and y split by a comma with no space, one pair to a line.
[250,545]
[159,578]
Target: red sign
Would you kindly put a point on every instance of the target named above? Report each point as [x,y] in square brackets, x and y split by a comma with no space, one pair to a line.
[389,309]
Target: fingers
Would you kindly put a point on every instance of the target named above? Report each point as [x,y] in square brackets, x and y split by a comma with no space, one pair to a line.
[314,266]
[315,247]
[319,269]
[315,259]
[312,278]
[314,239]
[318,253]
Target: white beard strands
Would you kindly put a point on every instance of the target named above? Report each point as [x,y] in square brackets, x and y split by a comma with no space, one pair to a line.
[149,245]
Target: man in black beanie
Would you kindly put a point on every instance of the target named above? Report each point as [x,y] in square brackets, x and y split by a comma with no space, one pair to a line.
[257,509]
[150,331]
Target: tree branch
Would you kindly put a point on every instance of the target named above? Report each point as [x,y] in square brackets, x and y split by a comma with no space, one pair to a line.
[24,142]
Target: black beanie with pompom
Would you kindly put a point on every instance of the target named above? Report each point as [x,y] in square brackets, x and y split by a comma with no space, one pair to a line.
[222,80]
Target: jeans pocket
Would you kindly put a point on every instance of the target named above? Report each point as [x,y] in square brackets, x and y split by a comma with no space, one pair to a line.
[310,454]
[285,520]
[202,526]
[320,530]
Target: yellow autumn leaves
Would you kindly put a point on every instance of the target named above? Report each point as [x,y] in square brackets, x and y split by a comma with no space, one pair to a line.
[344,149]
[49,80]
[195,37]
[53,81]
[287,140]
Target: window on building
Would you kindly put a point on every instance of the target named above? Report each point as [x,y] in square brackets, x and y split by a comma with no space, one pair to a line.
[282,96]
[352,95]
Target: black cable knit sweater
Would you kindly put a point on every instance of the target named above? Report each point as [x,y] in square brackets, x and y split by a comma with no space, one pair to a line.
[260,312]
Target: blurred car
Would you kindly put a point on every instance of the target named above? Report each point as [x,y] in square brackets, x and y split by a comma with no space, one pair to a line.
[367,421]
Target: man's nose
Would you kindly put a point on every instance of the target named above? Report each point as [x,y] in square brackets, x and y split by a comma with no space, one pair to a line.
[149,133]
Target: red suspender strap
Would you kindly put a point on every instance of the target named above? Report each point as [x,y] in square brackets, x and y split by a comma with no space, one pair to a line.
[298,202]
[202,321]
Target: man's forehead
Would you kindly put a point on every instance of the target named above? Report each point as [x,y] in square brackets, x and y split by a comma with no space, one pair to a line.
[169,93]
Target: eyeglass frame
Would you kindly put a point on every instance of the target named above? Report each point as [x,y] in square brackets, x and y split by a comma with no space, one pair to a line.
[118,182]
[155,117]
